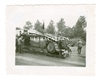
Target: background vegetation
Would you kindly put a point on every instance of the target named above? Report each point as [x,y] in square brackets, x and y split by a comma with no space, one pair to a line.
[73,33]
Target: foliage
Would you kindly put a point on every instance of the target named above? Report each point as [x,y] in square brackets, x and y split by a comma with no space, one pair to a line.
[73,33]
[28,25]
[79,28]
[64,30]
[61,25]
[39,27]
[43,26]
[67,32]
[50,28]
[73,41]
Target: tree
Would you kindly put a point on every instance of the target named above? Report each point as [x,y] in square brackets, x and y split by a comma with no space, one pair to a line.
[43,26]
[79,27]
[67,32]
[51,29]
[39,27]
[28,25]
[61,25]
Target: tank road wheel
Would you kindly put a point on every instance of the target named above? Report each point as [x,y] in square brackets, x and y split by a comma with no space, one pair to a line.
[51,47]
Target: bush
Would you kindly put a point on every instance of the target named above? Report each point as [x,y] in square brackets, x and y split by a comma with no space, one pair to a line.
[73,42]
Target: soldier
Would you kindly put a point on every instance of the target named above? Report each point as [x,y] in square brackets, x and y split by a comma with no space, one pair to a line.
[16,43]
[62,45]
[20,44]
[79,46]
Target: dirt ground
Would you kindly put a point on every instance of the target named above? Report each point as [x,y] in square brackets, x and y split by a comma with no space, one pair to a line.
[37,59]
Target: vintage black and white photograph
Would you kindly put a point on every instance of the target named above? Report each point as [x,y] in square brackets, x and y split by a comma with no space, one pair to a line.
[49,35]
[57,39]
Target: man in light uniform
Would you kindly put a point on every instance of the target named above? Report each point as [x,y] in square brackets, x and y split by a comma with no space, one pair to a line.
[79,46]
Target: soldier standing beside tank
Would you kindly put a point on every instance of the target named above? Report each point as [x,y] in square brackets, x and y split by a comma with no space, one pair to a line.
[16,43]
[20,44]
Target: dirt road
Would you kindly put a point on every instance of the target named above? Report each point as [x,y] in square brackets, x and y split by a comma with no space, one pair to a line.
[36,59]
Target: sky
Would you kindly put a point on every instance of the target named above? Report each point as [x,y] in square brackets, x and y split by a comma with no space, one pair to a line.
[16,16]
